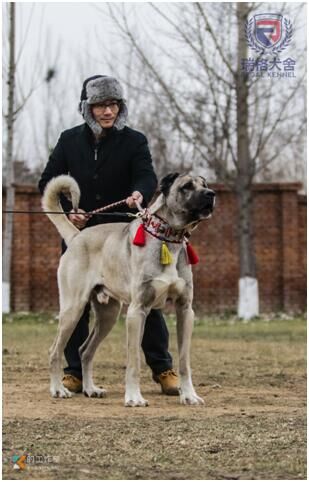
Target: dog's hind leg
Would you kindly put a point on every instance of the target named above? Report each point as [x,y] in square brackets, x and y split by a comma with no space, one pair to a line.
[68,319]
[135,323]
[185,320]
[105,318]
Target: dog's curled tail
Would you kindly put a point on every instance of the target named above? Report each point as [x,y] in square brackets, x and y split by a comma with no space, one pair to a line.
[51,202]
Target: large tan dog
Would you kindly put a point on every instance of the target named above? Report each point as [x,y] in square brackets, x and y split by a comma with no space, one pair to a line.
[103,265]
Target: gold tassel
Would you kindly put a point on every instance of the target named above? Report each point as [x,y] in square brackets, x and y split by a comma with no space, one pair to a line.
[166,257]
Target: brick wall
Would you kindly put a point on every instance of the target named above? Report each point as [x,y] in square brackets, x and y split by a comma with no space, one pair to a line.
[280,244]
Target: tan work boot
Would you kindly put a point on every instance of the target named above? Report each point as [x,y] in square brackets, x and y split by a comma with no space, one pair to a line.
[72,383]
[169,382]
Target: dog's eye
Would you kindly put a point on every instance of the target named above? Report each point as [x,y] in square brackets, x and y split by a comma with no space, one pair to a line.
[204,183]
[187,186]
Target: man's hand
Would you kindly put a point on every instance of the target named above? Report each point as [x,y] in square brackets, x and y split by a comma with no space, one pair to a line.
[79,220]
[135,196]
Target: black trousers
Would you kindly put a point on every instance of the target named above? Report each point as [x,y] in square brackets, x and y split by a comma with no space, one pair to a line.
[154,344]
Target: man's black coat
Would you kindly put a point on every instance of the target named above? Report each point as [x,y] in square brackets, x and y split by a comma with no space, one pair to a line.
[105,172]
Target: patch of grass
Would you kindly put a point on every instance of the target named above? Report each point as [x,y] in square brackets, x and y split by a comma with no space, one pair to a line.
[275,329]
[272,329]
[26,317]
[293,329]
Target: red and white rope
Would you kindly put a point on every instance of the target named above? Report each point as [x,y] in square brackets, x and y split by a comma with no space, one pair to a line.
[109,206]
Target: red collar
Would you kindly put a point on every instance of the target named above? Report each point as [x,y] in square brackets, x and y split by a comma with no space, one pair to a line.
[160,229]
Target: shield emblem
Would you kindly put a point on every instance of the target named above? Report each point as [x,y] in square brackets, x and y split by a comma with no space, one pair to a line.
[268,29]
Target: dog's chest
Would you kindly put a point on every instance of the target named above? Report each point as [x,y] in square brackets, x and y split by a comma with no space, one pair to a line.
[167,286]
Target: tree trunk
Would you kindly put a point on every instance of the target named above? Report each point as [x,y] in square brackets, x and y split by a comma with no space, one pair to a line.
[248,288]
[10,191]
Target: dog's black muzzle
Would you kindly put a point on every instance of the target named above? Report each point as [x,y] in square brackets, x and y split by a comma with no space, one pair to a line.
[202,203]
[209,197]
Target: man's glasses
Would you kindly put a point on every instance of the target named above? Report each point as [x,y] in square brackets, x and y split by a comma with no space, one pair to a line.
[112,105]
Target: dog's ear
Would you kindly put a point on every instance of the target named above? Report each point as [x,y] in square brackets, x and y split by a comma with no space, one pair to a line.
[167,181]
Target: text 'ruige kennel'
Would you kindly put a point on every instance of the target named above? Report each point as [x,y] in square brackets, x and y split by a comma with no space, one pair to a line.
[105,256]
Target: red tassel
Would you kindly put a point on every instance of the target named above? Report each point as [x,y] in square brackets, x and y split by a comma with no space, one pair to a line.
[192,256]
[139,239]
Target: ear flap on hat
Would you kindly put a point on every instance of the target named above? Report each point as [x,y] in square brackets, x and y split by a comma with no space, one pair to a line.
[83,94]
[167,181]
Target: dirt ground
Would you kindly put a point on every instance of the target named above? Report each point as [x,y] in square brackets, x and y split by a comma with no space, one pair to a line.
[253,426]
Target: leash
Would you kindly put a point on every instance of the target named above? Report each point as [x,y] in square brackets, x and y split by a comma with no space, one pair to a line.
[99,211]
[109,206]
[69,212]
[139,239]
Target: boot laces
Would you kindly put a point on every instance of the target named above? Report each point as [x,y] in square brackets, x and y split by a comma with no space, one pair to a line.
[168,373]
[70,377]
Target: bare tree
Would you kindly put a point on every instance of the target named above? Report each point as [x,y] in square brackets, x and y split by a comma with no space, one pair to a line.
[10,191]
[238,126]
[148,111]
[17,97]
[52,115]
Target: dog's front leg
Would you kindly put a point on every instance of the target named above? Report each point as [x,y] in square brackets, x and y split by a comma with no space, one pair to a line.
[185,320]
[135,323]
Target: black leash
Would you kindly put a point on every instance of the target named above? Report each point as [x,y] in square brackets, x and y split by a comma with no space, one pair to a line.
[131,215]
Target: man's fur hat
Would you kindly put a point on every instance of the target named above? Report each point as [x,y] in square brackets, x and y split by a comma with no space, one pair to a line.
[99,88]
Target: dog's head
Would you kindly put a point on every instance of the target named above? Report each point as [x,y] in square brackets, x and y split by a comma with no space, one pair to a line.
[187,197]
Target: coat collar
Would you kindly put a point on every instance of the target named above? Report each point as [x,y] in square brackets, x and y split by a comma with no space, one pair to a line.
[111,133]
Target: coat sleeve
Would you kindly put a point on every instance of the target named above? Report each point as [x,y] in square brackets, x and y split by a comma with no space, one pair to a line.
[143,175]
[56,165]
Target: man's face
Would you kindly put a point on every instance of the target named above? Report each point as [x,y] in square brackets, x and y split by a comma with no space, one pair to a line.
[105,113]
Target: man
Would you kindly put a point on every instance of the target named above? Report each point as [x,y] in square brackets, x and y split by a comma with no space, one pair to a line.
[110,162]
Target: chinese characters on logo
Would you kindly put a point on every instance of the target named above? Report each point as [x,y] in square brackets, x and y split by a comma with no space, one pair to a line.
[268,35]
[20,462]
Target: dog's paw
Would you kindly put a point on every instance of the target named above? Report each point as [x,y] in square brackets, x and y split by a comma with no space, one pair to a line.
[135,401]
[60,392]
[95,392]
[191,399]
